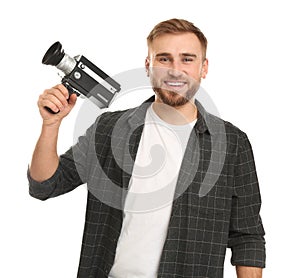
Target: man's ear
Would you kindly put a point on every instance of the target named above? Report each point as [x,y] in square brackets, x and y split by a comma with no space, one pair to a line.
[147,65]
[204,70]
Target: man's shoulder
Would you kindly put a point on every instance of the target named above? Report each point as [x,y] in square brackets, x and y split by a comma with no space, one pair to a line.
[230,128]
[135,114]
[114,115]
[110,120]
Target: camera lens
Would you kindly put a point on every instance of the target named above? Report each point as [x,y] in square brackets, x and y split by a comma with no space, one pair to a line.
[55,56]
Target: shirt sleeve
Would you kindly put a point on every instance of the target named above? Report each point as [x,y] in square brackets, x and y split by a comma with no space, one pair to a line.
[246,235]
[71,171]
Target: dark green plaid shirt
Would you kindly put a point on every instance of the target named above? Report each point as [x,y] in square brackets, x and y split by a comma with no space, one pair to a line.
[214,208]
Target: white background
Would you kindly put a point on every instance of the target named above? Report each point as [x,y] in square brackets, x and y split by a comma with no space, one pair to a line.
[253,50]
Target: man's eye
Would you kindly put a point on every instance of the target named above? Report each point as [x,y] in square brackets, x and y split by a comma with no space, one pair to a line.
[164,59]
[188,60]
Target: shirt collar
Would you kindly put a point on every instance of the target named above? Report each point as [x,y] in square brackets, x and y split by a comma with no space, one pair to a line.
[205,121]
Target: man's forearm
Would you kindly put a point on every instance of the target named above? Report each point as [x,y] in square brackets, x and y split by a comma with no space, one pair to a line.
[45,159]
[248,272]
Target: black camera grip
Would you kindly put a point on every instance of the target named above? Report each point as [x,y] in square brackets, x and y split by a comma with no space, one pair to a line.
[50,111]
[70,90]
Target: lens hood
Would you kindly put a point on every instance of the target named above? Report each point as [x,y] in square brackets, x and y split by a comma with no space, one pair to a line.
[54,54]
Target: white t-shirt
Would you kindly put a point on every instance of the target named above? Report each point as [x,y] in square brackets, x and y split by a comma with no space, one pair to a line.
[149,201]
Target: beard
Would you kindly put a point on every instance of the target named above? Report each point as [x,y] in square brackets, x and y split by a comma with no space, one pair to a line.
[172,87]
[176,99]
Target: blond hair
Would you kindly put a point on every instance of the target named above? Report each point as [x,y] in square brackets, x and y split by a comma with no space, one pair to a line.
[177,26]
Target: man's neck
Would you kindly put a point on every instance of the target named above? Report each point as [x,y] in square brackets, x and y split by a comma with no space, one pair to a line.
[179,115]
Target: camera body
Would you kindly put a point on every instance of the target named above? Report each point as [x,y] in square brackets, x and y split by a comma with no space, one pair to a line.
[82,76]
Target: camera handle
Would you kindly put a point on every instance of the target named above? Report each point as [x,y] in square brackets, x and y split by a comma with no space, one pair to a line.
[70,90]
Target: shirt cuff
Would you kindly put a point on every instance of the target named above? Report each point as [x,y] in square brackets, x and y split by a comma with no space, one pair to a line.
[42,190]
[249,254]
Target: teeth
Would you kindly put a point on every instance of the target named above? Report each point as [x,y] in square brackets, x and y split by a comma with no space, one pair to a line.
[175,83]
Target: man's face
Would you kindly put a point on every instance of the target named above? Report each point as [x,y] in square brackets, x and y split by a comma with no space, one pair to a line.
[175,66]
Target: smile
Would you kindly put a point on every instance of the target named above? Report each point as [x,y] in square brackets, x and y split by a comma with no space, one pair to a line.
[175,84]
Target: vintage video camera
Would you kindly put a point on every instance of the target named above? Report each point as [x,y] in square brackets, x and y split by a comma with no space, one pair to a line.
[82,76]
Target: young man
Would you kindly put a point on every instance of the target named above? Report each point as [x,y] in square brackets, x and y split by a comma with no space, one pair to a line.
[170,185]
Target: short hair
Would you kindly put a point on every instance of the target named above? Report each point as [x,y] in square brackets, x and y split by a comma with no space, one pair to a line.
[177,26]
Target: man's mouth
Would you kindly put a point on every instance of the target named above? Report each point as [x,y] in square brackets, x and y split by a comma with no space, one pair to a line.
[175,84]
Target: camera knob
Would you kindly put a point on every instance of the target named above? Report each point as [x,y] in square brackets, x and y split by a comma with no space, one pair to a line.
[77,75]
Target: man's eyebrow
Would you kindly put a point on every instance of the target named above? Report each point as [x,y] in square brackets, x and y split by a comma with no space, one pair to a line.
[181,54]
[163,54]
[189,55]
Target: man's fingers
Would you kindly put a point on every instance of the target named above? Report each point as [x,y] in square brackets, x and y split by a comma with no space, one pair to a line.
[63,90]
[57,96]
[50,105]
[61,96]
[56,99]
[72,99]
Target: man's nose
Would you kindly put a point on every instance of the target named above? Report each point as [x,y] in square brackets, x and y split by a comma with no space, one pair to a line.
[175,69]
